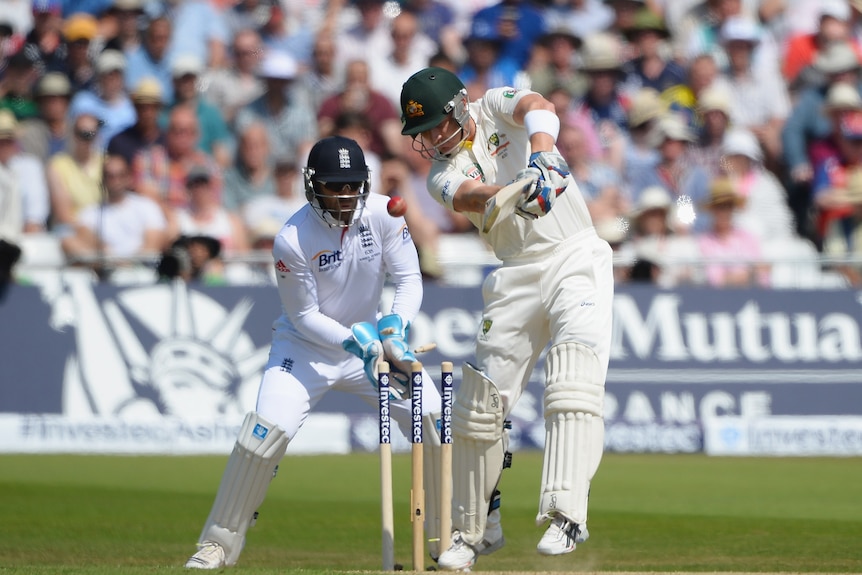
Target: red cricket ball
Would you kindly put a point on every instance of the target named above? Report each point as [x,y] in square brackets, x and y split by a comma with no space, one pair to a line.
[396,207]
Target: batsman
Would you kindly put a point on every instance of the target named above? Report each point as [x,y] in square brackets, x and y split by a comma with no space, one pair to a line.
[554,289]
[331,259]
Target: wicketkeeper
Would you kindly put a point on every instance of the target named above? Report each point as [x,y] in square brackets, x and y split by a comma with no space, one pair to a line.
[331,259]
[555,287]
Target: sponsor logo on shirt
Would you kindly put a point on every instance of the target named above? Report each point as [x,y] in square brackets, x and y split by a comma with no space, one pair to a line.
[405,234]
[281,268]
[497,143]
[474,172]
[510,93]
[328,260]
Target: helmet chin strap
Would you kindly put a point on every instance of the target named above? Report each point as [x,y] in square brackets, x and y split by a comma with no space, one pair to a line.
[433,152]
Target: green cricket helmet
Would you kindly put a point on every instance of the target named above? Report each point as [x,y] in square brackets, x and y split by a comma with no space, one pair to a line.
[428,96]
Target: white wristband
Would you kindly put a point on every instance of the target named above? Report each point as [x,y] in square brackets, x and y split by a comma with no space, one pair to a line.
[542,121]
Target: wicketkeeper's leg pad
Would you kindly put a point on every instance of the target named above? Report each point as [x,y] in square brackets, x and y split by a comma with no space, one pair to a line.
[574,430]
[478,452]
[250,468]
[432,478]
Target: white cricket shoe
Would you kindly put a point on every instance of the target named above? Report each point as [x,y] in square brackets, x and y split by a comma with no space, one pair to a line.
[210,555]
[493,539]
[561,537]
[459,557]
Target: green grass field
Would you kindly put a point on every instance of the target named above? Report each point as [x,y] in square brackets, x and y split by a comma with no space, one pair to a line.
[655,513]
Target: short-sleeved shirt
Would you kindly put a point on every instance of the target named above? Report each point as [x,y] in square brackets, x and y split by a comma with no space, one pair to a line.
[122,225]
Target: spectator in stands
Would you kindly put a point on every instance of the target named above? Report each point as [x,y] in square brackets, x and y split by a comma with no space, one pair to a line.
[714,108]
[264,215]
[214,137]
[48,133]
[579,17]
[322,79]
[28,176]
[698,31]
[160,171]
[390,72]
[127,15]
[44,44]
[640,155]
[200,30]
[203,214]
[731,255]
[759,99]
[16,86]
[79,31]
[599,183]
[437,21]
[11,221]
[659,239]
[146,131]
[193,259]
[124,225]
[652,66]
[765,212]
[624,13]
[251,174]
[688,184]
[109,101]
[150,59]
[518,23]
[74,175]
[801,49]
[834,212]
[486,65]
[558,67]
[603,104]
[291,121]
[359,96]
[233,87]
[280,33]
[807,128]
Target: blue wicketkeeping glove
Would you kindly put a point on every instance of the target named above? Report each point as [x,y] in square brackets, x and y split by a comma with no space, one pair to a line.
[366,345]
[394,333]
[554,177]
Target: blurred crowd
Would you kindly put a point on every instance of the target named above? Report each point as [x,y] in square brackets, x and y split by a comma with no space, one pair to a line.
[709,137]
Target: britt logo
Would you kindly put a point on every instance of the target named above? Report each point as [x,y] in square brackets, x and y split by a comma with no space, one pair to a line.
[328,260]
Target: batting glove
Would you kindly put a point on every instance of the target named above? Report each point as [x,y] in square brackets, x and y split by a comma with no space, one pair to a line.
[394,333]
[554,177]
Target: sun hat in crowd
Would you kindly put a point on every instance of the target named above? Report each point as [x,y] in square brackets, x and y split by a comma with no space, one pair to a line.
[740,29]
[278,65]
[110,61]
[646,20]
[601,52]
[842,97]
[838,9]
[742,142]
[715,98]
[672,127]
[148,91]
[723,191]
[53,84]
[652,198]
[560,29]
[836,58]
[187,65]
[80,27]
[645,105]
[198,174]
[8,125]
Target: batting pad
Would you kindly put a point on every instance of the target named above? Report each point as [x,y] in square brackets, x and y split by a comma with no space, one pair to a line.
[574,430]
[478,452]
[432,478]
[250,468]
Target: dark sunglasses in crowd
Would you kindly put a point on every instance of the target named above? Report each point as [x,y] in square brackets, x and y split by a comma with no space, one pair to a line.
[86,135]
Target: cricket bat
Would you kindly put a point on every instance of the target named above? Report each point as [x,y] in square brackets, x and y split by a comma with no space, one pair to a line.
[502,204]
